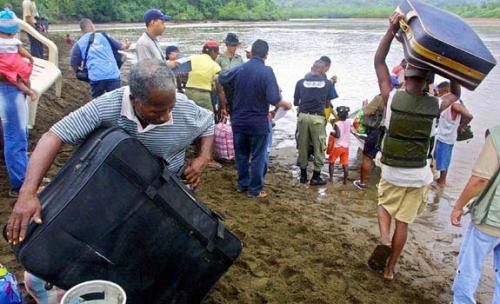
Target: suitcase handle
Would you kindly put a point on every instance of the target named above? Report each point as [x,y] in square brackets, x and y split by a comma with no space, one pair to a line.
[96,143]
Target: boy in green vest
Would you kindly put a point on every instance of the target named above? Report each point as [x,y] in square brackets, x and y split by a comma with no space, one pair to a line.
[410,120]
[483,233]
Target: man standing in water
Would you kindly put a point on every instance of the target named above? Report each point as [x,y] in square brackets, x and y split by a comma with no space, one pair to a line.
[410,121]
[454,118]
[312,93]
[483,233]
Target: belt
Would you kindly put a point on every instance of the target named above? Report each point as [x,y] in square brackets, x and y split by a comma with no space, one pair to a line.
[199,90]
[312,113]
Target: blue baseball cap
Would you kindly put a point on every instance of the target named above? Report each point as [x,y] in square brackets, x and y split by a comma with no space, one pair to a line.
[154,14]
[9,24]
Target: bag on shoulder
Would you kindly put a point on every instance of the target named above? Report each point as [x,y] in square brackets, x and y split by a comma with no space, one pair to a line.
[466,132]
[119,58]
[83,73]
[374,120]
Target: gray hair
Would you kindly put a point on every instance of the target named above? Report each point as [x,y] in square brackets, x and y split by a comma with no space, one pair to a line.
[147,75]
[85,23]
[318,67]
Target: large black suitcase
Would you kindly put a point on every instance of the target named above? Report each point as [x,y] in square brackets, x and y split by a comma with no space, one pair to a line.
[441,41]
[114,212]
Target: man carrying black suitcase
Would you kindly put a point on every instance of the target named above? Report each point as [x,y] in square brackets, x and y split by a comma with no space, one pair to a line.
[148,109]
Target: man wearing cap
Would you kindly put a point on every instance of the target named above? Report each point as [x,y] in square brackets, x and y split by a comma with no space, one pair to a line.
[202,78]
[410,121]
[30,13]
[103,70]
[148,45]
[230,59]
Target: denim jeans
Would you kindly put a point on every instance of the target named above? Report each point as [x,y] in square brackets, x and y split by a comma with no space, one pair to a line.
[475,247]
[36,47]
[14,115]
[100,87]
[269,146]
[251,161]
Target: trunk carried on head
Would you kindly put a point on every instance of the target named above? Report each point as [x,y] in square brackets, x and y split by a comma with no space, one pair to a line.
[440,41]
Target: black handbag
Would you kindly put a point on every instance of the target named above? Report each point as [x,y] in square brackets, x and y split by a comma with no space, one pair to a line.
[83,73]
[466,132]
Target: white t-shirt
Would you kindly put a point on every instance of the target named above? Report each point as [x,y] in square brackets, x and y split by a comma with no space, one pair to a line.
[405,177]
[9,45]
[447,129]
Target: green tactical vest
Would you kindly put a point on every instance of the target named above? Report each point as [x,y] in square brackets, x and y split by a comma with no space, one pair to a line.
[486,208]
[408,140]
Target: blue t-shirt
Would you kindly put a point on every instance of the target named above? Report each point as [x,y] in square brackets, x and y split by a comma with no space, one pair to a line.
[255,88]
[313,93]
[101,62]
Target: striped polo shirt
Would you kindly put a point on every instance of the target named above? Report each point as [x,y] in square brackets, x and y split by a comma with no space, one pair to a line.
[168,140]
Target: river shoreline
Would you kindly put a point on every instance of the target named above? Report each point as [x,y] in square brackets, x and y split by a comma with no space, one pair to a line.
[118,26]
[301,245]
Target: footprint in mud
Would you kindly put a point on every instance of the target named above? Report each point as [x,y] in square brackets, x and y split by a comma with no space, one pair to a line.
[288,272]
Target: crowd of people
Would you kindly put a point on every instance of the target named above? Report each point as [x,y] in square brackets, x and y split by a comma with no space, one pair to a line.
[407,124]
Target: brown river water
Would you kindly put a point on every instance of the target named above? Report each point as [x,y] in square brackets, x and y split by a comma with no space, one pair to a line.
[351,44]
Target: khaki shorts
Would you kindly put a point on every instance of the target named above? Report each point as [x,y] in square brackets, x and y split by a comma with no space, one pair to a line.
[402,203]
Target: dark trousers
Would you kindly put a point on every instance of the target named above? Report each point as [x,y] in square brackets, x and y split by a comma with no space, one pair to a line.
[36,47]
[251,161]
[100,87]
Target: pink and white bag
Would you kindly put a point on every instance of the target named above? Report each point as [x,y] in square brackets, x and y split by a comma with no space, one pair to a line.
[224,147]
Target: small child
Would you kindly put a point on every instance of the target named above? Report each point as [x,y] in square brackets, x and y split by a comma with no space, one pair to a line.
[13,64]
[338,142]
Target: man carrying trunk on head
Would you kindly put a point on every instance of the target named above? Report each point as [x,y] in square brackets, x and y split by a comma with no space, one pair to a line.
[410,121]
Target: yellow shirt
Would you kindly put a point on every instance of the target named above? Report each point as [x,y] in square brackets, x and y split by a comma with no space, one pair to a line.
[203,70]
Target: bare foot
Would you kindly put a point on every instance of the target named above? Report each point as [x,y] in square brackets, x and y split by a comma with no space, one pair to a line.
[388,275]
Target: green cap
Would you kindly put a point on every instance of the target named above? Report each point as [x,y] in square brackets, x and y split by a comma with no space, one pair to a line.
[413,71]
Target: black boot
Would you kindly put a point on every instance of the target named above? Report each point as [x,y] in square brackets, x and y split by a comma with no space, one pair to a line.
[316,179]
[303,176]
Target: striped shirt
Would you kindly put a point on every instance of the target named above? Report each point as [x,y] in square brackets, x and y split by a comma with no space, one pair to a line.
[168,140]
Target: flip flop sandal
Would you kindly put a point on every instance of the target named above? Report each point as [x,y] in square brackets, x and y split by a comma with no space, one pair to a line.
[378,259]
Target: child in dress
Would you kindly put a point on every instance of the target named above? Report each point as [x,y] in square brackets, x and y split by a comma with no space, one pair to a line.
[16,63]
[338,142]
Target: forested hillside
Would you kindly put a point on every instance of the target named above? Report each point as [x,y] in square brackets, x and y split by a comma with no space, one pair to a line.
[132,10]
[380,8]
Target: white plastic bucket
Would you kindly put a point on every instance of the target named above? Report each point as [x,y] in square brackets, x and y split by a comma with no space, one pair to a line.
[109,293]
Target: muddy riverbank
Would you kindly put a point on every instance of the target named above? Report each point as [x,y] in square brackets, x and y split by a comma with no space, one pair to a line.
[301,245]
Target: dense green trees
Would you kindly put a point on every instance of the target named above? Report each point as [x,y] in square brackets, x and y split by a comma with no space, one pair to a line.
[132,10]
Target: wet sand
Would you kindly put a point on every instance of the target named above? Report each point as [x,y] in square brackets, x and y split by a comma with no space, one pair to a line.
[301,245]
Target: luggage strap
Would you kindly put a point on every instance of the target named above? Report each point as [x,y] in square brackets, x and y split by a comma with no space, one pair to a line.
[151,190]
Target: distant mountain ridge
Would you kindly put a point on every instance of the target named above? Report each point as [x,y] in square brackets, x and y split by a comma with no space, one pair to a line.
[373,3]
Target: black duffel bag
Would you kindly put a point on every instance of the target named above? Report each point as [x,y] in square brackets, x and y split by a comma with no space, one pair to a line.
[114,212]
[82,73]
